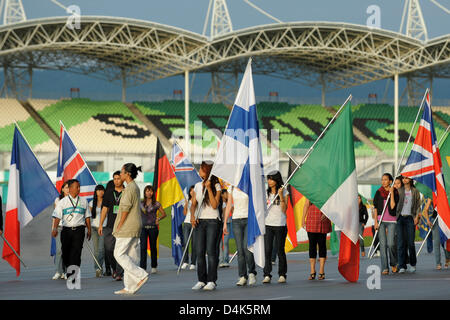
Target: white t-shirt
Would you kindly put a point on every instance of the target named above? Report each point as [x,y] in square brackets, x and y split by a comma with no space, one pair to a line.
[72,212]
[188,214]
[98,212]
[206,211]
[275,217]
[240,202]
[407,204]
[56,203]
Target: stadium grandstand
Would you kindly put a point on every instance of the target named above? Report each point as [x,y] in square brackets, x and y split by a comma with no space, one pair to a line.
[323,55]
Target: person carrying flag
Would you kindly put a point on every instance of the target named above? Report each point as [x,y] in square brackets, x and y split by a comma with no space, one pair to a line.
[75,216]
[60,271]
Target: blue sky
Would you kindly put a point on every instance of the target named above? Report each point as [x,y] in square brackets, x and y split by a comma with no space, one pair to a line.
[190,15]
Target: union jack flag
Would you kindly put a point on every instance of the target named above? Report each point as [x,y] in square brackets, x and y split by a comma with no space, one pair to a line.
[424,165]
[71,165]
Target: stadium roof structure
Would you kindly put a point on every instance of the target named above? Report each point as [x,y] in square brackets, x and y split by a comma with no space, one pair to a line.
[338,55]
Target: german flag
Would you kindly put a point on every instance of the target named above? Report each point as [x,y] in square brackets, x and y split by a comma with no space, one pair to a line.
[168,190]
[294,213]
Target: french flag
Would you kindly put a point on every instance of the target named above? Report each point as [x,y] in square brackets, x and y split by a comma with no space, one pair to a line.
[71,165]
[30,191]
[239,162]
[424,165]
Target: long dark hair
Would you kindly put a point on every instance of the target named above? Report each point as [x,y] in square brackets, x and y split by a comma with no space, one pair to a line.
[149,187]
[275,176]
[94,202]
[207,167]
[189,193]
[61,192]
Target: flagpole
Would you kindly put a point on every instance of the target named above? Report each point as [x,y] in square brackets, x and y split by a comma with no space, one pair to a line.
[14,251]
[396,173]
[80,155]
[93,256]
[310,150]
[295,162]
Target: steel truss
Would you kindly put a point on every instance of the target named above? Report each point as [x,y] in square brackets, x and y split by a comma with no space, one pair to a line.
[340,55]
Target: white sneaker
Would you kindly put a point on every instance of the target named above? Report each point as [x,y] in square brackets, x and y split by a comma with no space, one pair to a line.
[184,266]
[154,270]
[412,269]
[402,270]
[192,267]
[56,276]
[64,276]
[199,285]
[266,279]
[251,279]
[210,286]
[282,279]
[242,281]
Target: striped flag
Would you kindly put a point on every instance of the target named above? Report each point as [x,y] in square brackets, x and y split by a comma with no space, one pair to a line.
[30,191]
[71,165]
[239,162]
[294,213]
[424,165]
[328,179]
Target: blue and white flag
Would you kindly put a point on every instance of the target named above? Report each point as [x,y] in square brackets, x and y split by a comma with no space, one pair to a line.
[177,232]
[239,162]
[185,172]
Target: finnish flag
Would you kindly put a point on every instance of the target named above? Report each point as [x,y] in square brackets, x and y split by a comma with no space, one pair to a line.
[239,162]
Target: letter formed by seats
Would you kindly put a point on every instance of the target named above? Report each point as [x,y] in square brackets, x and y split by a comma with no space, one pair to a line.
[74,277]
[374,280]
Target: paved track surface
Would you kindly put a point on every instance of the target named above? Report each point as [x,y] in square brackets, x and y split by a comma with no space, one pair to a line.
[35,281]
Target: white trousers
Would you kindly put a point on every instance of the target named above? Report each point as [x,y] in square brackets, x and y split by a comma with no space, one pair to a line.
[127,254]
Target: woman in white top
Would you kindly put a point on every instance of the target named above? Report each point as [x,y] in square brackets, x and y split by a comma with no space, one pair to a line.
[275,226]
[186,231]
[95,206]
[60,273]
[246,261]
[207,226]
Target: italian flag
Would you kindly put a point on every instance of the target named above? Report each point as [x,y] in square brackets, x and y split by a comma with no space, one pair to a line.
[328,179]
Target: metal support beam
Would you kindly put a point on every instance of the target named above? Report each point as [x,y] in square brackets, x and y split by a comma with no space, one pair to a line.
[187,135]
[396,121]
[124,86]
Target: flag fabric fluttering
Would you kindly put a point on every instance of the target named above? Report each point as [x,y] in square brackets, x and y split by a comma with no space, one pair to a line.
[71,165]
[187,176]
[22,206]
[239,162]
[294,213]
[328,179]
[425,166]
[167,188]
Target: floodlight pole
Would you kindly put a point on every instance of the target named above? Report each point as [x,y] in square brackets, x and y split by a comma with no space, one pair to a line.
[187,135]
[396,121]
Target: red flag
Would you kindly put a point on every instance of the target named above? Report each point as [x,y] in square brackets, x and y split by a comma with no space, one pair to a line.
[349,259]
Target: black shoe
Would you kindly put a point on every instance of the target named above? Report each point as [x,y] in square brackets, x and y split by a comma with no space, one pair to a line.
[107,273]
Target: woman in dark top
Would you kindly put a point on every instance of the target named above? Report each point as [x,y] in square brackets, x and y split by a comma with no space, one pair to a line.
[150,227]
[363,217]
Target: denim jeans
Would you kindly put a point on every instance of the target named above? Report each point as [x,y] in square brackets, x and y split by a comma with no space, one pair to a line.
[99,248]
[361,232]
[406,232]
[224,246]
[280,234]
[187,227]
[246,261]
[386,233]
[207,242]
[437,243]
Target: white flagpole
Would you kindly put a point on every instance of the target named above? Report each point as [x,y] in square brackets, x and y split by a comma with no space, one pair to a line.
[310,150]
[14,251]
[396,174]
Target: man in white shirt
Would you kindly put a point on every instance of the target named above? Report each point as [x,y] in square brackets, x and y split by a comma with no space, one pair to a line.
[75,216]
